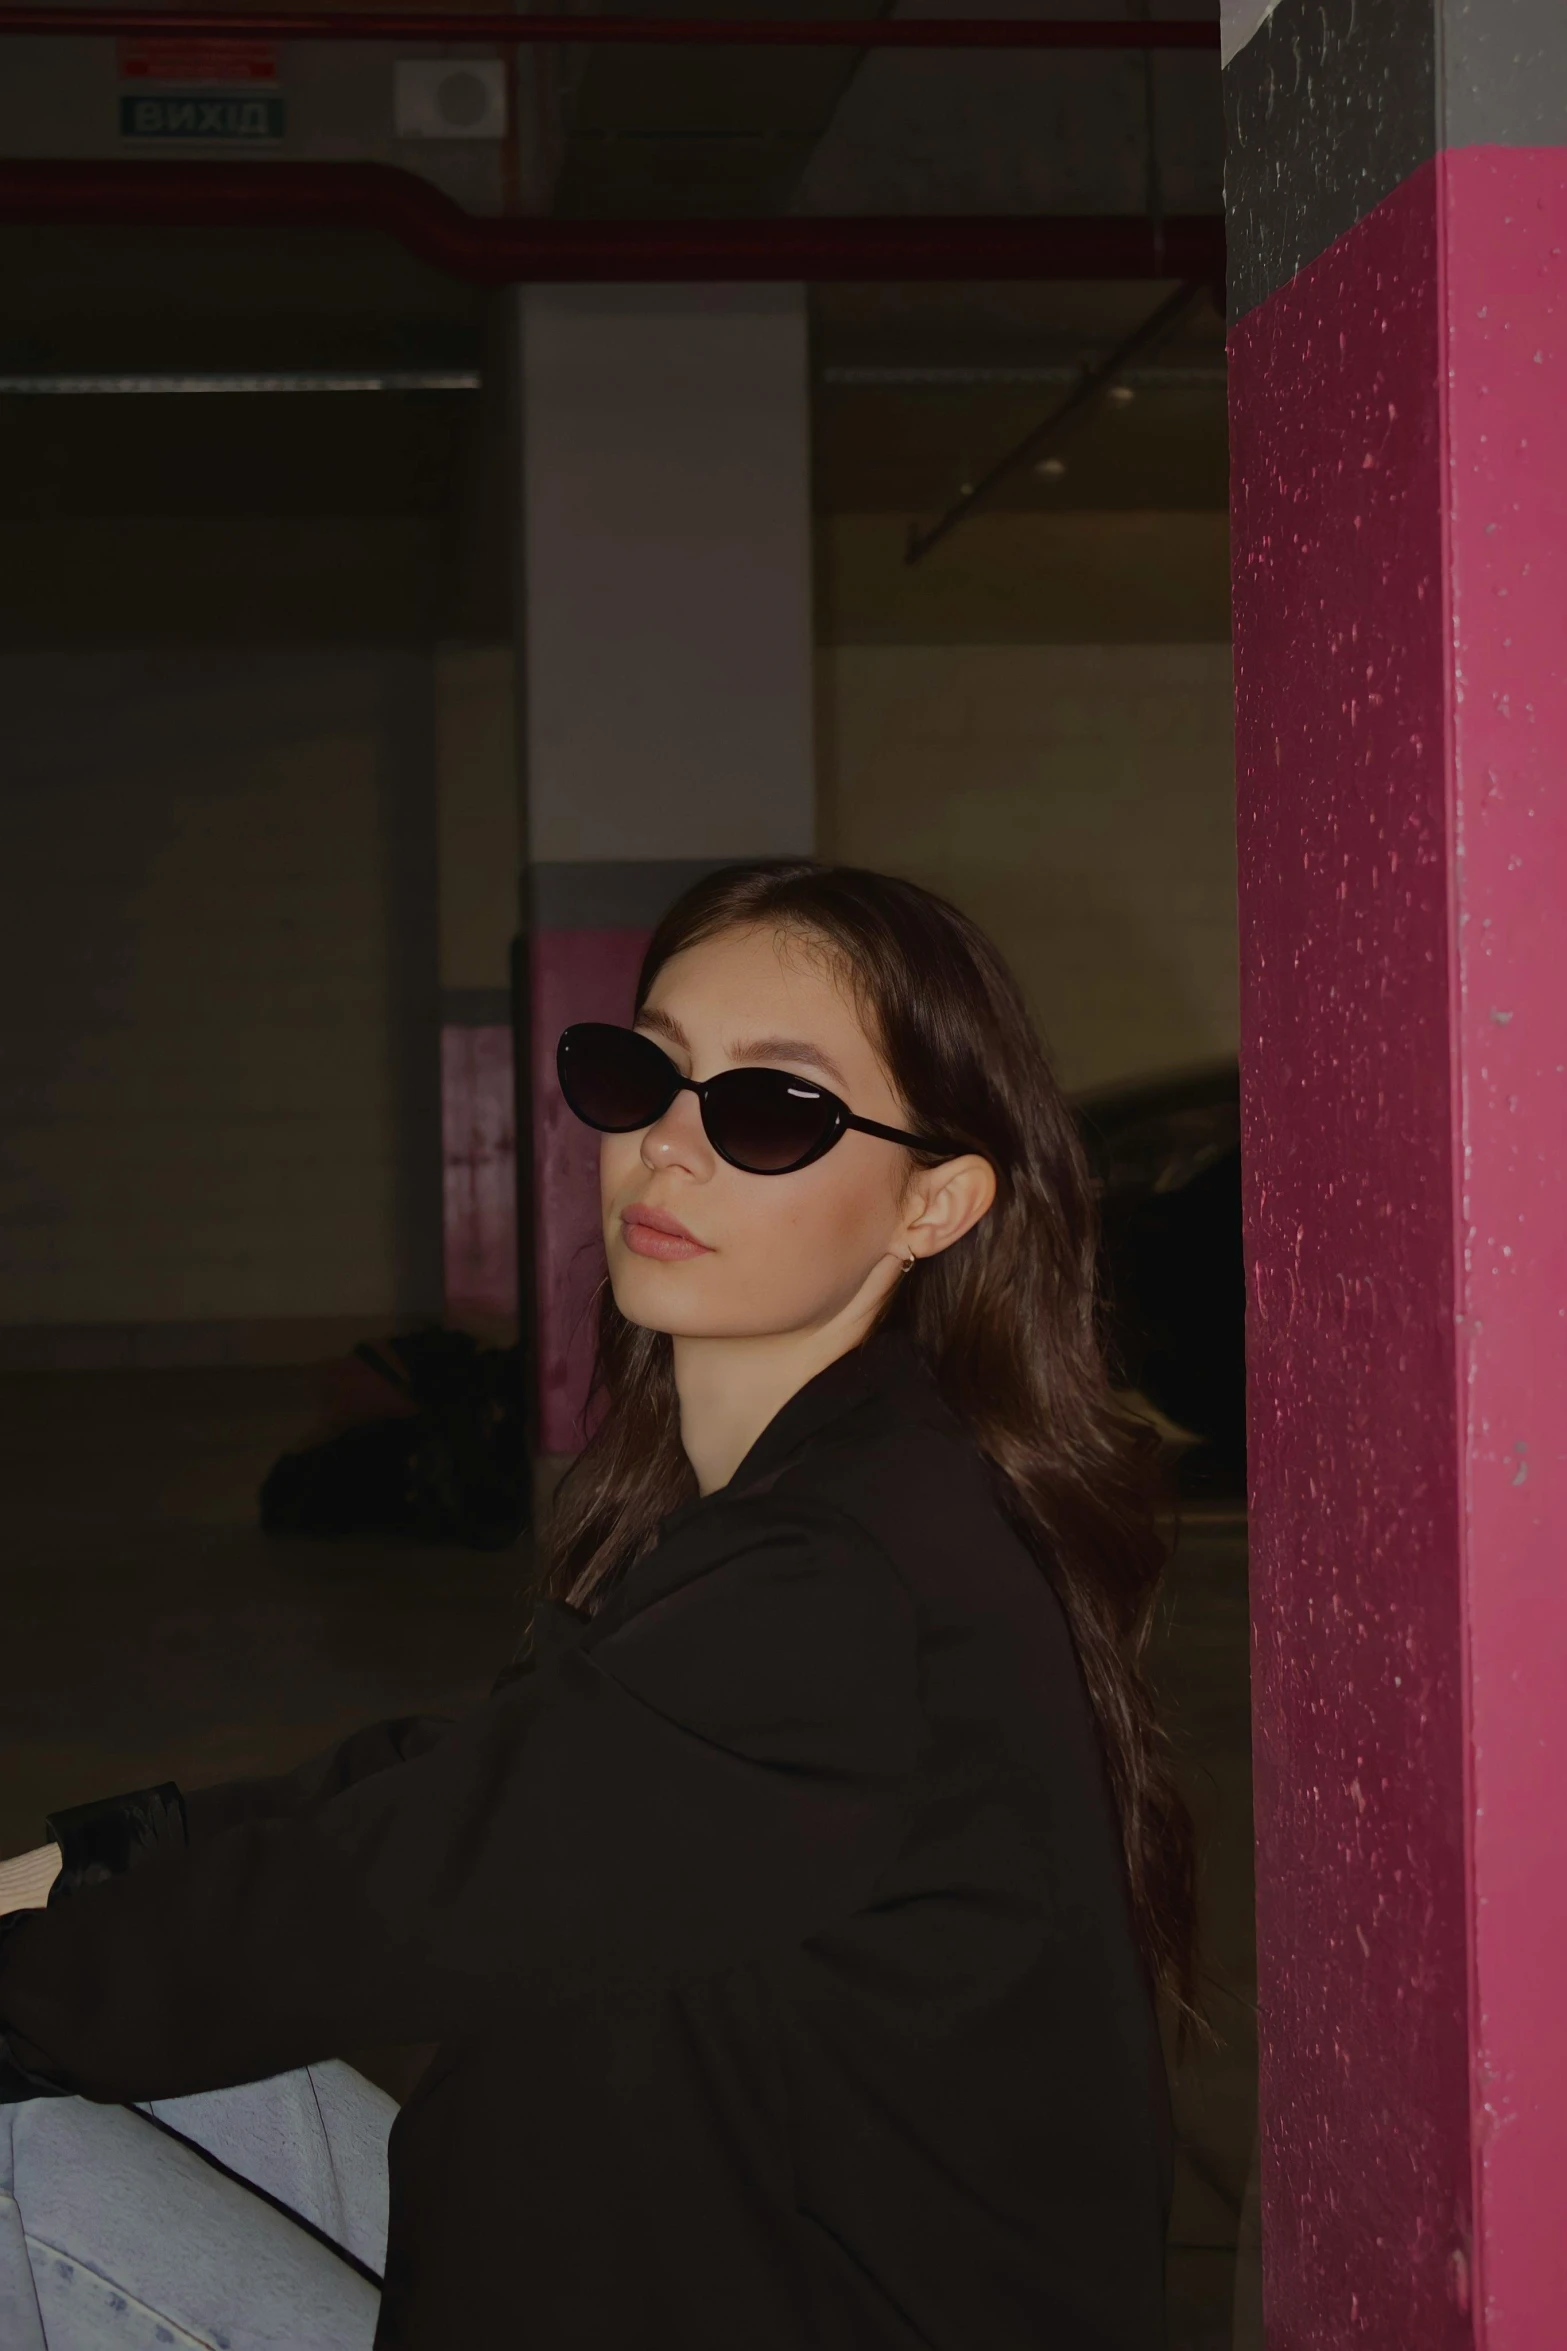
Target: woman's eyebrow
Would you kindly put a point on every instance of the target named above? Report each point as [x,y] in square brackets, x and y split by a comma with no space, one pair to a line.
[775,1049]
[765,1049]
[666,1025]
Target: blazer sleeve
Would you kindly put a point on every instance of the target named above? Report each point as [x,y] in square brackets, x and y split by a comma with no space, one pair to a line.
[723,1773]
[111,1834]
[291,1795]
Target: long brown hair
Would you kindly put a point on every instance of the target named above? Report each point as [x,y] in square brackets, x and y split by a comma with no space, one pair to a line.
[1006,1319]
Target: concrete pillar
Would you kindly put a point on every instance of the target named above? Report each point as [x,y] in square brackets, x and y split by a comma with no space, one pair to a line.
[477,857]
[1397,194]
[666,656]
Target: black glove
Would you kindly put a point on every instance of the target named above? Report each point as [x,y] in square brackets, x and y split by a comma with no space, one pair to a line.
[101,1839]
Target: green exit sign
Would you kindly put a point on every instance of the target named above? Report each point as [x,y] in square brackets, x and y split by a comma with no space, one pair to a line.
[202,114]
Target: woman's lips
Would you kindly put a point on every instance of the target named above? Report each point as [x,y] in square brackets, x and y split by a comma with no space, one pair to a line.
[650,1233]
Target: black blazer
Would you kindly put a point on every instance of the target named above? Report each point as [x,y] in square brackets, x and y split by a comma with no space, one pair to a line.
[772,1926]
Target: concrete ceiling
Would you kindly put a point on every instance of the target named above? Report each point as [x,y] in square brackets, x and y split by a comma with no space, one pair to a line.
[918,387]
[746,131]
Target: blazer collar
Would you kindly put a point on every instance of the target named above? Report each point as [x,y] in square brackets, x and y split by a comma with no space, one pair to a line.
[885,1364]
[885,1361]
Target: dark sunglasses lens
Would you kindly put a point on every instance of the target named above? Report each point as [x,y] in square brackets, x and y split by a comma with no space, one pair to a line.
[766,1121]
[612,1078]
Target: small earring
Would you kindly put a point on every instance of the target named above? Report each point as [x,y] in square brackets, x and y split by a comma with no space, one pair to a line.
[908,1264]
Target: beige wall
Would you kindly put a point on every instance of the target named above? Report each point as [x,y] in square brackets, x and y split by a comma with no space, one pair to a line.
[1081,578]
[1078,800]
[218,987]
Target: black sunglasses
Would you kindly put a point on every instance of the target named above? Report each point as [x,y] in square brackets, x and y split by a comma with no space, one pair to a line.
[761,1120]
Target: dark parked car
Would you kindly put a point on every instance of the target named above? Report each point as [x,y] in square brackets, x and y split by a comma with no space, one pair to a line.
[1166,1159]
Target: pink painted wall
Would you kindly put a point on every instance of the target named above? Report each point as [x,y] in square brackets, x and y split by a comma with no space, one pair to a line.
[479,1175]
[1348,1110]
[1400,513]
[576,975]
[1504,218]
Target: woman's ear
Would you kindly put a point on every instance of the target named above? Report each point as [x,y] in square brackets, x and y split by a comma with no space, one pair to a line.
[948,1202]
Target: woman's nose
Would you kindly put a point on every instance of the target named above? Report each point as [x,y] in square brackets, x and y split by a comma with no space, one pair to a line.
[678,1139]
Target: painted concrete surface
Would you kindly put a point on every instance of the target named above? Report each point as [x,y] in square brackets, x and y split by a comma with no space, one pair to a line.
[1401,526]
[1328,108]
[1329,105]
[1348,1106]
[1504,218]
[1504,73]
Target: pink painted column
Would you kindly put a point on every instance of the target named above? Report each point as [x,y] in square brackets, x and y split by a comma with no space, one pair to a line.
[479,1176]
[1398,223]
[1504,214]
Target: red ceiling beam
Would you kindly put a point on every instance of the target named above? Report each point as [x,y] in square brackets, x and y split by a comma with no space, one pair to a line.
[819,32]
[506,249]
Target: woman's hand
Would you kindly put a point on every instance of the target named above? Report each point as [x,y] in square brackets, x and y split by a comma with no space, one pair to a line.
[25,1881]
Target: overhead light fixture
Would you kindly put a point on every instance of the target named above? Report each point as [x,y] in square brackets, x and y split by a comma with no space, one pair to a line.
[1122,394]
[1051,467]
[320,379]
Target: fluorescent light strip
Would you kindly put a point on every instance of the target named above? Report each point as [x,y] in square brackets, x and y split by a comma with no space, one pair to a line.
[325,379]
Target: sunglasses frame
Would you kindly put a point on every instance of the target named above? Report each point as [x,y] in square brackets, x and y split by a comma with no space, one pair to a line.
[841,1121]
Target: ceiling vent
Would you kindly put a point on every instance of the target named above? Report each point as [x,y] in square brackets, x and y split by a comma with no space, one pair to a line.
[450,98]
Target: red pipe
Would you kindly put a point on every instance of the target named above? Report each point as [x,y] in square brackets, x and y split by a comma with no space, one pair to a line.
[497,251]
[383,24]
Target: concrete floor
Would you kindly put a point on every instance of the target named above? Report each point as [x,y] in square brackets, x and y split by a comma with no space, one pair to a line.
[151,1632]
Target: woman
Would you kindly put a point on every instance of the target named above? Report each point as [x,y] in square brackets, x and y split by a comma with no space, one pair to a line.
[790,1921]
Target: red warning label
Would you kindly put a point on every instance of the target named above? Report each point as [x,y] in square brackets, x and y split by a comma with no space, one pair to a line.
[204,61]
